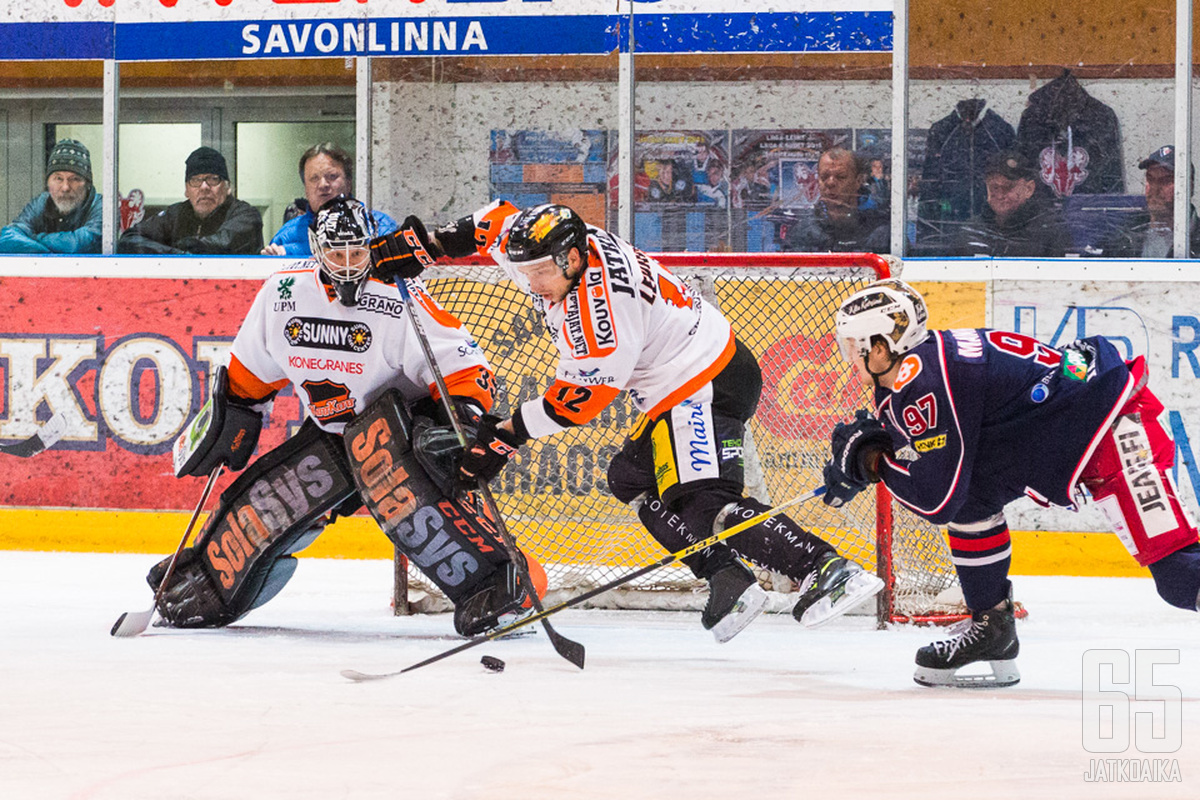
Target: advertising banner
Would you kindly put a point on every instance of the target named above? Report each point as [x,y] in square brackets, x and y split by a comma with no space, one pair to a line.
[133,30]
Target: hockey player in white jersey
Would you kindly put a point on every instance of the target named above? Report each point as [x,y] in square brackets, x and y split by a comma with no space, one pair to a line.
[621,321]
[374,433]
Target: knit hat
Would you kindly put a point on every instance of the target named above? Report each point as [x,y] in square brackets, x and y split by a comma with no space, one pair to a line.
[206,161]
[71,156]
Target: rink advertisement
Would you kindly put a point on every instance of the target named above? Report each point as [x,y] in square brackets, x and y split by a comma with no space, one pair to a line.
[133,30]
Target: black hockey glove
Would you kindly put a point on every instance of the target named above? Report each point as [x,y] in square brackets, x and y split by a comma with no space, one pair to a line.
[404,253]
[487,454]
[856,447]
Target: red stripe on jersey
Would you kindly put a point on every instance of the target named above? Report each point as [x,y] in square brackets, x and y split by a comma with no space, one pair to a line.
[691,387]
[974,545]
[476,383]
[244,383]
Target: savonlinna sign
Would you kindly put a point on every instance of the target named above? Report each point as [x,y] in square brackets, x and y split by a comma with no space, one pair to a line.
[147,30]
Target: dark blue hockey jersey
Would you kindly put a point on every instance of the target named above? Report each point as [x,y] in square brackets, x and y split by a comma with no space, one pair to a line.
[980,417]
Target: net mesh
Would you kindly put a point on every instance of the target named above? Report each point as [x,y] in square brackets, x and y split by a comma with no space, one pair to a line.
[554,496]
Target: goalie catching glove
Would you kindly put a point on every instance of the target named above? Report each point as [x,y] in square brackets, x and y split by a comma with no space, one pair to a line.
[404,253]
[856,447]
[487,454]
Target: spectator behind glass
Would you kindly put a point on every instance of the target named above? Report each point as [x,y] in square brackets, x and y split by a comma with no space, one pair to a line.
[1016,222]
[209,221]
[843,220]
[1151,234]
[66,218]
[326,171]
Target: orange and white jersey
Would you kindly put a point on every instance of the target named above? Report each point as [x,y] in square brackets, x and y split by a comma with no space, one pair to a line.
[340,359]
[629,324]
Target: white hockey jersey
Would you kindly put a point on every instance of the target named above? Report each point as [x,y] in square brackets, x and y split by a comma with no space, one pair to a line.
[340,359]
[630,324]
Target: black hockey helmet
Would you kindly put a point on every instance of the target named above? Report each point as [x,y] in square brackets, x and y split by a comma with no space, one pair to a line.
[546,230]
[340,235]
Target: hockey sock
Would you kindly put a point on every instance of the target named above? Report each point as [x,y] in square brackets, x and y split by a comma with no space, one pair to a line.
[779,544]
[670,531]
[982,553]
[1177,577]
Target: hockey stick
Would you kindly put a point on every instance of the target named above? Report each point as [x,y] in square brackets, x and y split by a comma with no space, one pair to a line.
[567,648]
[359,677]
[44,439]
[131,623]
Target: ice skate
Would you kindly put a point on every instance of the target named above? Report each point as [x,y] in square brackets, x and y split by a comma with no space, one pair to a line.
[991,637]
[734,600]
[838,586]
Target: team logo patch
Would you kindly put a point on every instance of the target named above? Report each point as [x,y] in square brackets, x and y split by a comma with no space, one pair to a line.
[910,368]
[328,401]
[353,337]
[1039,393]
[285,288]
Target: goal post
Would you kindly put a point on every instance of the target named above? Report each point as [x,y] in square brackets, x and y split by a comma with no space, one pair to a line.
[554,495]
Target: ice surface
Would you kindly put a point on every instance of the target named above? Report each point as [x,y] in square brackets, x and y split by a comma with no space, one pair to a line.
[260,711]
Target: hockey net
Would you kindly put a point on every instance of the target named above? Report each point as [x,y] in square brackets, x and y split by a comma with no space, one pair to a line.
[554,496]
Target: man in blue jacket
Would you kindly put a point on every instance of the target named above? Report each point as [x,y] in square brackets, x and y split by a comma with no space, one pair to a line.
[66,218]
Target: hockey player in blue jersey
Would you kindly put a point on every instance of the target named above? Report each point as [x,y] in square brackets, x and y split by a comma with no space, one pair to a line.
[967,421]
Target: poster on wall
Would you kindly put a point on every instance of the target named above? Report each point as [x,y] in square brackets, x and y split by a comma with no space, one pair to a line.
[531,167]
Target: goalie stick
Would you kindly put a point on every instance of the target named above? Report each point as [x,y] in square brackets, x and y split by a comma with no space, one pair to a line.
[540,616]
[131,623]
[567,648]
[44,439]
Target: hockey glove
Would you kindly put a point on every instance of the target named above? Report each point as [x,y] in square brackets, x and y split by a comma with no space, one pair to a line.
[856,448]
[404,253]
[486,456]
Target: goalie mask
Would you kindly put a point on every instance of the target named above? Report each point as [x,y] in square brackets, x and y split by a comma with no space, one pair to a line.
[890,309]
[340,236]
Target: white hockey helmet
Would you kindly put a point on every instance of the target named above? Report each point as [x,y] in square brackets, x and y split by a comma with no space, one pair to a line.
[340,236]
[889,308]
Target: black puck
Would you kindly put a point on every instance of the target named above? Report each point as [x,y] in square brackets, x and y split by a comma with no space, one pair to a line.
[493,664]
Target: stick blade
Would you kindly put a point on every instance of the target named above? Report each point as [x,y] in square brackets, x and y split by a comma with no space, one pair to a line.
[132,623]
[569,649]
[363,677]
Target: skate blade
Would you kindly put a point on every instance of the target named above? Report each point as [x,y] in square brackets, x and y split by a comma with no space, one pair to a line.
[861,586]
[1004,673]
[745,610]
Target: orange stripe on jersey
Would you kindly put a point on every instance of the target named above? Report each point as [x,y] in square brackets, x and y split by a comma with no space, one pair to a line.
[244,383]
[488,227]
[440,315]
[476,382]
[595,306]
[691,387]
[579,404]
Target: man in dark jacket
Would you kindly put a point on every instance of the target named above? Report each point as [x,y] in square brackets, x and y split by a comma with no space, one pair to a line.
[1016,222]
[839,222]
[1151,234]
[210,220]
[67,217]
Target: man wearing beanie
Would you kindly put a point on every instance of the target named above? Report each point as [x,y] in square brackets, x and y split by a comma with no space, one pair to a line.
[67,217]
[209,221]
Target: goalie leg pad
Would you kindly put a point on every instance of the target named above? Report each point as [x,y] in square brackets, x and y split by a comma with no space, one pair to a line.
[272,510]
[454,546]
